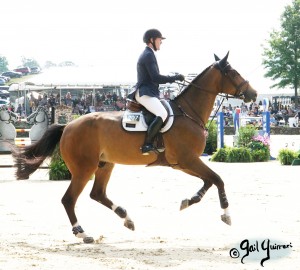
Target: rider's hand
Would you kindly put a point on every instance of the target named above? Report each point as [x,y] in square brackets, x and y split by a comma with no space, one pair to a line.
[179,77]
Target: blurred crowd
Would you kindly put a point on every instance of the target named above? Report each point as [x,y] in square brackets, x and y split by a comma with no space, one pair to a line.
[279,113]
[83,105]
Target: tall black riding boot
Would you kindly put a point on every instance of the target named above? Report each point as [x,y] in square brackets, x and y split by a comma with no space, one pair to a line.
[153,129]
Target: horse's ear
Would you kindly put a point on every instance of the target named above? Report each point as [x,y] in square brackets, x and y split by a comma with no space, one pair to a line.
[223,62]
[216,57]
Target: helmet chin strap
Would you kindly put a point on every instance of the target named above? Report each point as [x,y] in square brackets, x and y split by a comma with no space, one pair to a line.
[152,42]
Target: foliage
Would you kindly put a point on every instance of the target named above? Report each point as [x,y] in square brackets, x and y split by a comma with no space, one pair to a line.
[211,140]
[29,62]
[220,155]
[286,156]
[246,135]
[57,168]
[3,64]
[260,148]
[49,64]
[232,154]
[239,154]
[281,56]
[257,150]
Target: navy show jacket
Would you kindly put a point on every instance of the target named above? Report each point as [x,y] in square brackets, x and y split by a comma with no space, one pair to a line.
[148,75]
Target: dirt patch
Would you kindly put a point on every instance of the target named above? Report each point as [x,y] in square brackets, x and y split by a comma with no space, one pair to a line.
[36,234]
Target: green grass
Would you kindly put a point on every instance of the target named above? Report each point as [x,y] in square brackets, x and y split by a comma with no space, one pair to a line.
[25,78]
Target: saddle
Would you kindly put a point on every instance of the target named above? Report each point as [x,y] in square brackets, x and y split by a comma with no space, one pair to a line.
[137,117]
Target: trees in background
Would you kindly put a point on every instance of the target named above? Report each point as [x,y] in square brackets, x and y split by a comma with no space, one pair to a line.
[281,55]
[3,64]
[29,62]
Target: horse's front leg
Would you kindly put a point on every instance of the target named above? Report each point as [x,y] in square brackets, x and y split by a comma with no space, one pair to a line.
[196,167]
[69,200]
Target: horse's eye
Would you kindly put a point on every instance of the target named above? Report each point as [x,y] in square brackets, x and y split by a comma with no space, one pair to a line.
[234,73]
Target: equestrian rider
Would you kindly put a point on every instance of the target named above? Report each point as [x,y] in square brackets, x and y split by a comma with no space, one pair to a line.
[146,90]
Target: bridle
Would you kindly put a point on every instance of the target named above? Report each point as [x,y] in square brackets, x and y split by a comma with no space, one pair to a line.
[227,72]
[231,73]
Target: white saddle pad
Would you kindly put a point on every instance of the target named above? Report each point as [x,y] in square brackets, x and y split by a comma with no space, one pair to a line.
[135,121]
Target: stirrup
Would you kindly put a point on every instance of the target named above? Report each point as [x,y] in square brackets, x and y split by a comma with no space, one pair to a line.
[147,149]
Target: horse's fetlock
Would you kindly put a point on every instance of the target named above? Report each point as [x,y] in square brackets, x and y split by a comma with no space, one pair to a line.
[223,200]
[196,199]
[121,212]
[77,230]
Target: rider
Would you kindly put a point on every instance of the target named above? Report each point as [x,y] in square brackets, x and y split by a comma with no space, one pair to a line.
[146,90]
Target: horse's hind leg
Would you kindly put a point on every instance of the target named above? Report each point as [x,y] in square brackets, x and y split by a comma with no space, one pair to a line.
[98,193]
[199,169]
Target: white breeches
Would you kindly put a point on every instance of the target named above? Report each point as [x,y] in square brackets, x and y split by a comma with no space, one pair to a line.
[153,105]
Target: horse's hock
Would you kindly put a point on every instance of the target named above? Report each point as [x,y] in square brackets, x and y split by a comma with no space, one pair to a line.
[63,114]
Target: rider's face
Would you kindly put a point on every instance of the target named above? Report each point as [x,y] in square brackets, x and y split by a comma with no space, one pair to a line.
[158,42]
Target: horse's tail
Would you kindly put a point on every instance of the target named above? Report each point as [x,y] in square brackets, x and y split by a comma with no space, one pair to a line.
[28,159]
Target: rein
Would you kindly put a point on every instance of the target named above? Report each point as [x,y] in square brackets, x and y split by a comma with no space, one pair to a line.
[226,72]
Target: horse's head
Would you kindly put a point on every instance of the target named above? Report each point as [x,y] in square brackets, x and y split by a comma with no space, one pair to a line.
[232,83]
[30,118]
[220,78]
[7,115]
[38,116]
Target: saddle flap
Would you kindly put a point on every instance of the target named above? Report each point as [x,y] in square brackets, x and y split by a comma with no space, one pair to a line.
[133,105]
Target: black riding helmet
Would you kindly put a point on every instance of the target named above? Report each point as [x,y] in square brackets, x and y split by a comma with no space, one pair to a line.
[152,33]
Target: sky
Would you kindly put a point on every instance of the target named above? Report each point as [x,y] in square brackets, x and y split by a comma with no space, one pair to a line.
[108,34]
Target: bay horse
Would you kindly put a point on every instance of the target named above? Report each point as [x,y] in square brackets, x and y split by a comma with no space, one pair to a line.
[94,143]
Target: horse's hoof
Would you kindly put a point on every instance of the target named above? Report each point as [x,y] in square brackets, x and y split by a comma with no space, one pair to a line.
[129,224]
[226,219]
[88,240]
[184,204]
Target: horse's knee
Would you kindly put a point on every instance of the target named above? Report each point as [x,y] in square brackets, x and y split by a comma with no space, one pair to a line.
[67,201]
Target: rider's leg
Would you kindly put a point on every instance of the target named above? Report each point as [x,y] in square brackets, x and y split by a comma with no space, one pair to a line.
[153,105]
[153,129]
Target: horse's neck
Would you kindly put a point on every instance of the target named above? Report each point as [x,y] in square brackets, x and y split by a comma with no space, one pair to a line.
[203,93]
[200,103]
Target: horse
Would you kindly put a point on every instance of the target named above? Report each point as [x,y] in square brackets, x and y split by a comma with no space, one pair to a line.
[40,121]
[94,143]
[7,129]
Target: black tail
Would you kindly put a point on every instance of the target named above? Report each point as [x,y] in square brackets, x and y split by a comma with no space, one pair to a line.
[28,159]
